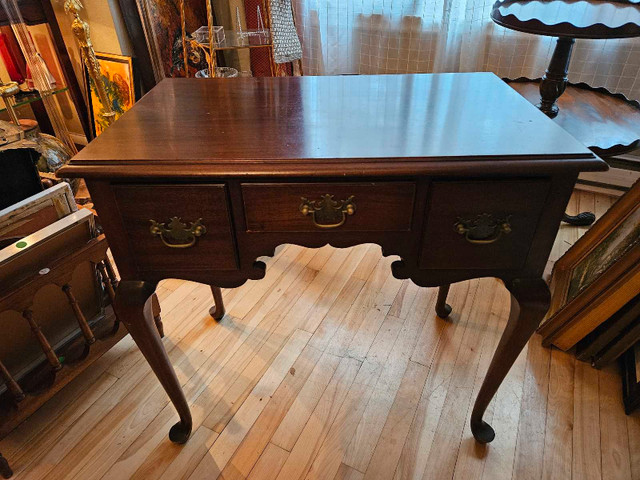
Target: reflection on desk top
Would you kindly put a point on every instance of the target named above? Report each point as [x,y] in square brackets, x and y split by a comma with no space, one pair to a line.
[343,125]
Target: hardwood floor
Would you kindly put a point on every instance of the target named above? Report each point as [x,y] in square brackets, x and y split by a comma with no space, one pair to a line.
[330,368]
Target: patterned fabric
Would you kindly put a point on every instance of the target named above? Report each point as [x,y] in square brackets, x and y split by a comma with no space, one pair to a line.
[286,44]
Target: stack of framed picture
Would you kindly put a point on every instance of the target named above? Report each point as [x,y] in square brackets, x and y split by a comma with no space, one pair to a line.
[597,276]
[618,338]
[595,295]
[612,338]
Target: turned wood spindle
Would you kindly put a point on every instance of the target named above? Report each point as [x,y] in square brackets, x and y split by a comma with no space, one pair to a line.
[12,385]
[555,79]
[106,280]
[108,276]
[77,311]
[52,358]
[111,272]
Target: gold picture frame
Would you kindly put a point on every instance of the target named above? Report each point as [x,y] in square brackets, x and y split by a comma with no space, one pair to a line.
[597,276]
[117,75]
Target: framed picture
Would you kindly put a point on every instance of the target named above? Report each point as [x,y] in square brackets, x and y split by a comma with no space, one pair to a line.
[36,212]
[160,22]
[630,364]
[117,75]
[597,276]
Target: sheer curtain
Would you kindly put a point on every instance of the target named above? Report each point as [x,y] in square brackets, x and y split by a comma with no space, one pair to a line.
[409,36]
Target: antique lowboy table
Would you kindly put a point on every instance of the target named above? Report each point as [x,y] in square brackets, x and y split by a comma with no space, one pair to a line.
[455,173]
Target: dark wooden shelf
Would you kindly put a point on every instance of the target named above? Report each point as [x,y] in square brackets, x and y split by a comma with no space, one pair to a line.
[607,123]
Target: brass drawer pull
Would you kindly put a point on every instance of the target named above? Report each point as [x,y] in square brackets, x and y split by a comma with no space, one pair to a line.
[483,229]
[177,235]
[328,213]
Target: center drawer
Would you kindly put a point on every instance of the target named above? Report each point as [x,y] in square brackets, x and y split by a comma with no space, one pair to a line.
[317,207]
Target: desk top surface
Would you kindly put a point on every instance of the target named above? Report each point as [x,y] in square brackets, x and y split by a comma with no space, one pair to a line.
[383,124]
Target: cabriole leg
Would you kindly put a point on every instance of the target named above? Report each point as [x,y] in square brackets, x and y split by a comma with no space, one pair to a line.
[530,300]
[217,311]
[443,309]
[134,307]
[5,470]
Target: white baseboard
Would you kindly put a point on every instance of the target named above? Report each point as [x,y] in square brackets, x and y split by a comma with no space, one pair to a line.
[623,172]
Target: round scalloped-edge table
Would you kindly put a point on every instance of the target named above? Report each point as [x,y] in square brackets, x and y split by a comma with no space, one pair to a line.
[608,123]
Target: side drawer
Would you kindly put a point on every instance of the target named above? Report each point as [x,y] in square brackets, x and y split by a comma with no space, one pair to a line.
[279,207]
[180,247]
[482,224]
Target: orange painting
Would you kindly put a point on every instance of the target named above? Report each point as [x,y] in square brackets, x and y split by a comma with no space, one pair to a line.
[117,76]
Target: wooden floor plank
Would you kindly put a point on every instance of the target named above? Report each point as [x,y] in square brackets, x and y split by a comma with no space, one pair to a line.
[298,414]
[366,303]
[40,428]
[383,359]
[391,441]
[475,461]
[455,414]
[370,427]
[257,439]
[317,427]
[189,456]
[243,381]
[633,429]
[558,444]
[346,298]
[533,413]
[270,463]
[587,454]
[413,459]
[345,472]
[614,438]
[327,460]
[334,287]
[226,444]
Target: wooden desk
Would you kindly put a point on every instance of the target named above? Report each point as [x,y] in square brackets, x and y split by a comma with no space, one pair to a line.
[455,173]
